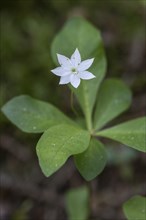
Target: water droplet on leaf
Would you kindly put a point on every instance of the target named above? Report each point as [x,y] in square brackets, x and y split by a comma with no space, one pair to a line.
[116,101]
[38,116]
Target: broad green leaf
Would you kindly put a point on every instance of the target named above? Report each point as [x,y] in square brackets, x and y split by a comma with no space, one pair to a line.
[91,162]
[135,208]
[57,144]
[131,133]
[77,203]
[31,115]
[78,33]
[114,98]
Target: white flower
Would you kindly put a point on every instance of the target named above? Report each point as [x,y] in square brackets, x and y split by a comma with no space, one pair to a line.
[72,70]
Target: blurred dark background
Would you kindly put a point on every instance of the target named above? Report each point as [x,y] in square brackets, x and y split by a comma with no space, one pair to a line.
[27,30]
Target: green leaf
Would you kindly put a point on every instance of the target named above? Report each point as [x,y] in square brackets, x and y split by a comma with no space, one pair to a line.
[91,162]
[78,33]
[131,133]
[114,98]
[57,144]
[135,208]
[77,203]
[31,115]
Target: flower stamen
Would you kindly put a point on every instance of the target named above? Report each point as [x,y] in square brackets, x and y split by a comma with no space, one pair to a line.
[73,70]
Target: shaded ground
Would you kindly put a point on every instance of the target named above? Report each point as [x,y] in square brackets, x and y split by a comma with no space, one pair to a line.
[27,194]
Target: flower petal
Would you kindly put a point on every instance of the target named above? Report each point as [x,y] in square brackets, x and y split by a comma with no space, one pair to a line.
[76,58]
[64,61]
[59,71]
[84,65]
[75,80]
[64,79]
[86,75]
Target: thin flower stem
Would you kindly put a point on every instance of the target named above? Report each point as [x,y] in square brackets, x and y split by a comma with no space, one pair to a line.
[72,104]
[89,123]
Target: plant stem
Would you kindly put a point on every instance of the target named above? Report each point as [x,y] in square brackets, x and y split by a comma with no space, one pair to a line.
[72,104]
[89,123]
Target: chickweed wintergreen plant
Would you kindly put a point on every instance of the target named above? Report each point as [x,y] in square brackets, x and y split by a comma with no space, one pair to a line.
[101,101]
